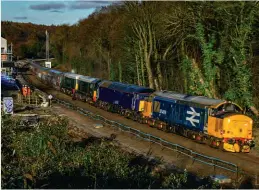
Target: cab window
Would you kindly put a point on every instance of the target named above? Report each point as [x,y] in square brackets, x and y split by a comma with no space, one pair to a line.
[156,106]
[226,108]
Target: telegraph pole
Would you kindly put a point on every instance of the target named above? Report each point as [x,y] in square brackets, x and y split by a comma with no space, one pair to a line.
[47,45]
[11,52]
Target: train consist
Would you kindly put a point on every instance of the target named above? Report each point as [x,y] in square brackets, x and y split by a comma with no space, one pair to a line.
[219,123]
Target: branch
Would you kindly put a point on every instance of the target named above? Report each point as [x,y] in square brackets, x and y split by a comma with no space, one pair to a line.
[254,110]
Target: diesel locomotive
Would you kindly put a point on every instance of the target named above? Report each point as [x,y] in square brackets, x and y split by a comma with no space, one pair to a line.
[219,123]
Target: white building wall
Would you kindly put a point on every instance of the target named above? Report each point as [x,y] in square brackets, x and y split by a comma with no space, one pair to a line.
[3,44]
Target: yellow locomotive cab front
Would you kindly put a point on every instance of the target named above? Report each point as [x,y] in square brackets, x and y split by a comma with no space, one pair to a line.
[237,126]
[229,125]
[237,132]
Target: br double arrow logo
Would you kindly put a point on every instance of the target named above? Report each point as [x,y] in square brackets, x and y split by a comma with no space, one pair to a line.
[192,116]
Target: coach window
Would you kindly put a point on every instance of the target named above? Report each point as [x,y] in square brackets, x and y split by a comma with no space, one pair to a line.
[73,83]
[67,82]
[82,86]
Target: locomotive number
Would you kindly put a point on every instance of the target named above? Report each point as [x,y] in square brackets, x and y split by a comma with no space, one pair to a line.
[162,112]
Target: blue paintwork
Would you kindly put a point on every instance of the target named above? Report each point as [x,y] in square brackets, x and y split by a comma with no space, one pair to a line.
[8,83]
[126,95]
[55,71]
[175,112]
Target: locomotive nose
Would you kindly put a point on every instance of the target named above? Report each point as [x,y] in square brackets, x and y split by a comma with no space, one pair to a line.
[239,126]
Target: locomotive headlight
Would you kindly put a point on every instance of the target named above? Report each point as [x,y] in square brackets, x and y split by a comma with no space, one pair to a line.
[228,120]
[251,122]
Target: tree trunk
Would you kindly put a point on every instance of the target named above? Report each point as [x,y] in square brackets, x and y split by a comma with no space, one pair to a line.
[120,72]
[254,110]
[159,75]
[156,84]
[149,72]
[108,65]
[142,66]
[137,69]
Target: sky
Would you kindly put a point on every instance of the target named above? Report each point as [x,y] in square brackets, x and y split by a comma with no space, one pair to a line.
[49,12]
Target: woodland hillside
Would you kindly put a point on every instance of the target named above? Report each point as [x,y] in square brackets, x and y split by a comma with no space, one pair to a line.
[201,48]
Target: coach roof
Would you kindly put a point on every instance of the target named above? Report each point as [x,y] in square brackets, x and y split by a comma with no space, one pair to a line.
[204,100]
[72,75]
[55,71]
[88,79]
[129,88]
[171,95]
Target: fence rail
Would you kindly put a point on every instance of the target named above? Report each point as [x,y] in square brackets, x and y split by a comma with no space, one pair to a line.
[30,100]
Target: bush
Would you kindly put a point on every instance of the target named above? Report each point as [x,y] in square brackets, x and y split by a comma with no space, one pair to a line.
[45,157]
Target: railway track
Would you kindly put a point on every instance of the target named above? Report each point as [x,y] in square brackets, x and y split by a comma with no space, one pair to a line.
[249,164]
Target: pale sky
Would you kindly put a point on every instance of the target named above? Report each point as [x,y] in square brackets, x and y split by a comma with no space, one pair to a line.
[49,12]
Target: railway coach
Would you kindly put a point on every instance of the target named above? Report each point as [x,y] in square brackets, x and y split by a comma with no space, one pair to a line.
[39,71]
[69,83]
[122,98]
[54,78]
[87,88]
[219,123]
[35,68]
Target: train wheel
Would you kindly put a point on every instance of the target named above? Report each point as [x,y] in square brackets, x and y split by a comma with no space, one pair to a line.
[198,138]
[172,129]
[213,143]
[221,147]
[236,147]
[164,128]
[122,113]
[245,148]
[140,120]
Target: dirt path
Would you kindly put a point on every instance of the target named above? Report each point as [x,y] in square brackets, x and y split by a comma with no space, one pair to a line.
[248,162]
